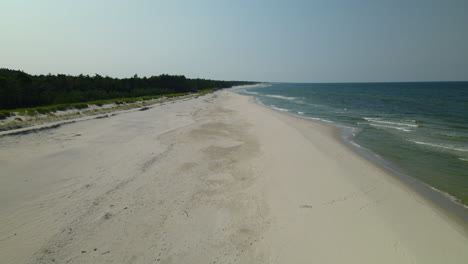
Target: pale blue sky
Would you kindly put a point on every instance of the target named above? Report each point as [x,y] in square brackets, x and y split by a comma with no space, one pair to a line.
[291,41]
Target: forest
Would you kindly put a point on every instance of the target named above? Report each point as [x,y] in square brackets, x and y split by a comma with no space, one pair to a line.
[22,90]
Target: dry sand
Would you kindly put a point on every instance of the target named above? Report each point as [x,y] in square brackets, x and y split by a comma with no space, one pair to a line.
[216,179]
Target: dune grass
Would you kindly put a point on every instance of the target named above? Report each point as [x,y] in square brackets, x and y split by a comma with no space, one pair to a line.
[27,116]
[33,111]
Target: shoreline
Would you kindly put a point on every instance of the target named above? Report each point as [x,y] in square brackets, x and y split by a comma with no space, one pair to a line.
[440,199]
[215,178]
[443,201]
[394,210]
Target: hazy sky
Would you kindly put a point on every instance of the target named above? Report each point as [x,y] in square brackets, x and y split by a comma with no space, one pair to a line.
[296,41]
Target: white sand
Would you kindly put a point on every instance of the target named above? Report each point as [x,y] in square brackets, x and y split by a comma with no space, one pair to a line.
[215,179]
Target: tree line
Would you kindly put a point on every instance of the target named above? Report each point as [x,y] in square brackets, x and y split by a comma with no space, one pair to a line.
[21,90]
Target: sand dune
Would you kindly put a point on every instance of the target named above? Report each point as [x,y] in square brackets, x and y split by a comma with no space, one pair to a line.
[215,179]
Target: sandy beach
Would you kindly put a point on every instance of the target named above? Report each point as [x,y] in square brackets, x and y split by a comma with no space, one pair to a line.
[213,179]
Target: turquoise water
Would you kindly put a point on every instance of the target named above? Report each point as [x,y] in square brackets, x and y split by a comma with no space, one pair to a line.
[421,129]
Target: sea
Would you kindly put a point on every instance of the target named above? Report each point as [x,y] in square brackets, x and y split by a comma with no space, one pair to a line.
[418,129]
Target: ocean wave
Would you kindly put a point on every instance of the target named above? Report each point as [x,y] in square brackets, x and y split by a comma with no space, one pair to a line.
[441,125]
[248,92]
[391,127]
[366,152]
[301,113]
[355,131]
[281,97]
[452,136]
[458,127]
[321,120]
[447,195]
[279,109]
[463,159]
[379,120]
[440,146]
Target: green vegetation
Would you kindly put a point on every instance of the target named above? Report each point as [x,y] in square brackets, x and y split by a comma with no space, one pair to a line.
[29,116]
[49,93]
[4,114]
[33,111]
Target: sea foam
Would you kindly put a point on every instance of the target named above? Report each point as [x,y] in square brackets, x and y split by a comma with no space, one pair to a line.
[281,97]
[439,146]
[391,127]
[279,109]
[379,120]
